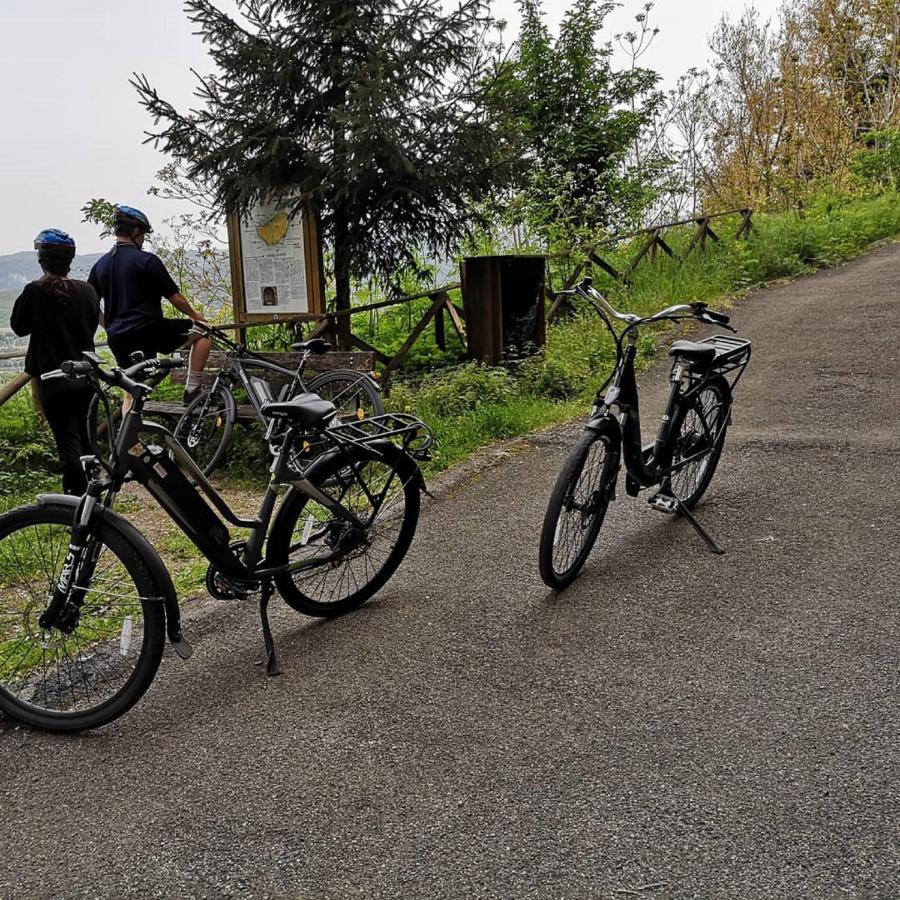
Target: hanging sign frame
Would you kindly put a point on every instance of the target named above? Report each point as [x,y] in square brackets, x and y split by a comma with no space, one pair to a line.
[275,262]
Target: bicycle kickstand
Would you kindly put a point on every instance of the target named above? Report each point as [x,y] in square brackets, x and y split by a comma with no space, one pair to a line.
[272,667]
[710,542]
[671,504]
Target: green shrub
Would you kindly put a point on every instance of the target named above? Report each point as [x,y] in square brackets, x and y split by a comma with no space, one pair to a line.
[454,391]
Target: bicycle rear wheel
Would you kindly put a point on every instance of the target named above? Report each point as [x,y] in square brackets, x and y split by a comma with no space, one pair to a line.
[353,393]
[86,678]
[578,505]
[205,427]
[383,492]
[700,428]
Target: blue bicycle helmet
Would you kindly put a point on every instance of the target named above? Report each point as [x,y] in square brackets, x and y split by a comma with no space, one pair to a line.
[54,239]
[132,218]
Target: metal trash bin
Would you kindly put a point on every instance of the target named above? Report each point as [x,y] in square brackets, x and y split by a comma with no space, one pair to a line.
[503,298]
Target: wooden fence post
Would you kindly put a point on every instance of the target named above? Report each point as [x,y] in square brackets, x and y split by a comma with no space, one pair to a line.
[13,386]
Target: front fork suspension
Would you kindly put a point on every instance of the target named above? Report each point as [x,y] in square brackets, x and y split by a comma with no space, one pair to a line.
[65,605]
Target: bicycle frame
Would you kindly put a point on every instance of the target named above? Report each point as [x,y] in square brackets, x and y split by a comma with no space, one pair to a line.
[236,365]
[195,524]
[649,464]
[165,472]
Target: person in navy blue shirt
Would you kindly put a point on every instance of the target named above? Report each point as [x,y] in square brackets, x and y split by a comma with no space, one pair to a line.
[132,284]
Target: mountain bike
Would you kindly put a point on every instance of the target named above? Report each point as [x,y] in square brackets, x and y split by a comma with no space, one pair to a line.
[206,426]
[86,602]
[678,465]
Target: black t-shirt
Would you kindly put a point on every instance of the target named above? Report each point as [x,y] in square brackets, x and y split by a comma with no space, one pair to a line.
[132,283]
[61,326]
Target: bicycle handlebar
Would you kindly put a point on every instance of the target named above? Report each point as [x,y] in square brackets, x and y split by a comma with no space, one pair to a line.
[698,309]
[126,379]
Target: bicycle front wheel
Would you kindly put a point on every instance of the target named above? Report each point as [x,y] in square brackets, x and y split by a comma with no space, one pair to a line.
[382,491]
[205,427]
[103,418]
[354,394]
[99,669]
[578,506]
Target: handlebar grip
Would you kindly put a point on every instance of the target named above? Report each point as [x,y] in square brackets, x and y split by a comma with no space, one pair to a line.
[73,368]
[717,317]
[175,362]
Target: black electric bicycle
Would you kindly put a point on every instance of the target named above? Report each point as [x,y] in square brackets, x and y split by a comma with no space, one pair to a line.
[206,426]
[679,464]
[86,602]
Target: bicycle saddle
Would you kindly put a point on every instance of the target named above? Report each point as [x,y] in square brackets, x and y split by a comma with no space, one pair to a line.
[314,345]
[309,410]
[698,353]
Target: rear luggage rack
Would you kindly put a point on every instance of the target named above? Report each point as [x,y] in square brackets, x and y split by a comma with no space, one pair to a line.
[732,355]
[413,435]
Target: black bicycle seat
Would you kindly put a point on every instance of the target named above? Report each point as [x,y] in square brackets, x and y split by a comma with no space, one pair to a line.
[313,345]
[695,352]
[309,410]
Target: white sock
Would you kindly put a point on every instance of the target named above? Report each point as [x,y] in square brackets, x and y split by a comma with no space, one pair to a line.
[192,381]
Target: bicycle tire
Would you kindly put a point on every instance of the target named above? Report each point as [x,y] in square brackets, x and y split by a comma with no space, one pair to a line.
[100,426]
[557,570]
[96,659]
[329,477]
[218,409]
[352,387]
[687,415]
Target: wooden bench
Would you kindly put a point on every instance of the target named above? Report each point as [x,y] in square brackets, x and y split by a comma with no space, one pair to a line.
[327,362]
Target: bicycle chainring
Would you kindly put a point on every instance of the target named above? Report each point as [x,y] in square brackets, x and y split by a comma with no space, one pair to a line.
[224,588]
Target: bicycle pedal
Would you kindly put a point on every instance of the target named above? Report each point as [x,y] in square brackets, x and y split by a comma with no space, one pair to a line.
[664,503]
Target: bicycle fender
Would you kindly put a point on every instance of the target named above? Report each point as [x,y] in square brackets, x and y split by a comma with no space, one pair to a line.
[148,553]
[609,424]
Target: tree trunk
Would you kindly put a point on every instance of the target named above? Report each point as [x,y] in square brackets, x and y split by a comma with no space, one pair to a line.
[342,278]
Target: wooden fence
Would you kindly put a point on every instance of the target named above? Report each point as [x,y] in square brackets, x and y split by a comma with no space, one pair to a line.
[652,244]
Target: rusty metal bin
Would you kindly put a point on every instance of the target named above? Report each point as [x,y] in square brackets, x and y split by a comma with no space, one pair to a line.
[503,298]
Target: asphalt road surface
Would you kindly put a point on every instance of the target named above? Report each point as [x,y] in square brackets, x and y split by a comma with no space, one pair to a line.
[676,724]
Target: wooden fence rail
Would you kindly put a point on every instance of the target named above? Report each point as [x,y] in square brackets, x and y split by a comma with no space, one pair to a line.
[648,249]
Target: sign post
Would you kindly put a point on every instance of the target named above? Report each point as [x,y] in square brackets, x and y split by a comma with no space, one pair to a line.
[276,265]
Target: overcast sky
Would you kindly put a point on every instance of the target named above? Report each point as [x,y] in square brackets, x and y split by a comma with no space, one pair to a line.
[71,127]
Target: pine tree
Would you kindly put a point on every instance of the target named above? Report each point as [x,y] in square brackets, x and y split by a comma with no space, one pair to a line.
[372,112]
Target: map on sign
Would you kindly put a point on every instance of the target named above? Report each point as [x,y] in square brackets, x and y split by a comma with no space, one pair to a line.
[274,261]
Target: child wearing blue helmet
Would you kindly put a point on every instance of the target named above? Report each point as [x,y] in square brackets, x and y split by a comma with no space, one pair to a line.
[60,314]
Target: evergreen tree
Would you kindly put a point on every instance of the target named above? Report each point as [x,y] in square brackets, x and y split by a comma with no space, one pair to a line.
[372,112]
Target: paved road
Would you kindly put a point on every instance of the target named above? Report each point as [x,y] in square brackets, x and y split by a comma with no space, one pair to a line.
[676,724]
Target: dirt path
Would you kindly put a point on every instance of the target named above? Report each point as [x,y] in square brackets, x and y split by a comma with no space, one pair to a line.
[676,724]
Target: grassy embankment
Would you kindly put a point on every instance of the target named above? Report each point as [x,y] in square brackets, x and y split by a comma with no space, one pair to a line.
[469,406]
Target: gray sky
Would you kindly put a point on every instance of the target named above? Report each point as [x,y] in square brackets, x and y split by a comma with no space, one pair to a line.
[72,128]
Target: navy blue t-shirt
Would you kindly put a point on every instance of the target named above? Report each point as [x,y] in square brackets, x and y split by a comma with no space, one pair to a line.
[132,284]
